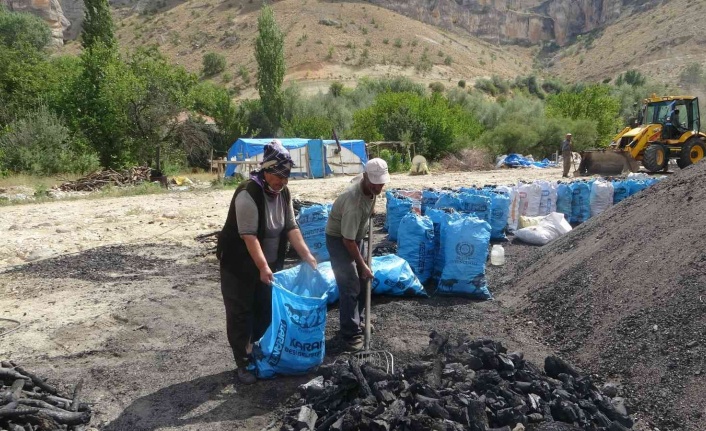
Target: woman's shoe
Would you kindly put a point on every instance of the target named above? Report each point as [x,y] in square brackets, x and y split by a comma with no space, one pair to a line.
[246,377]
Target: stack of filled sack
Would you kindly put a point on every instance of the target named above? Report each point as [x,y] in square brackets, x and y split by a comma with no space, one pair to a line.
[445,234]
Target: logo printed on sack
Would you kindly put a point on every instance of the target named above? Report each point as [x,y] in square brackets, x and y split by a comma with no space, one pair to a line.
[305,318]
[279,343]
[464,249]
[498,213]
[310,218]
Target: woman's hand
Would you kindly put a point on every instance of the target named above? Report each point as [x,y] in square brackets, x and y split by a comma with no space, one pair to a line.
[311,260]
[266,275]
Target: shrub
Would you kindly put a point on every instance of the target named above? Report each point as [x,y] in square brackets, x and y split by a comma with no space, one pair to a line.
[437,87]
[213,64]
[336,88]
[40,144]
[396,162]
[462,83]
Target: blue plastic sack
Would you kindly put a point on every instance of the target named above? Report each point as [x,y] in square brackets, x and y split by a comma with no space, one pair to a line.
[636,186]
[465,243]
[311,283]
[499,212]
[563,200]
[476,203]
[448,200]
[394,277]
[396,209]
[580,202]
[439,219]
[415,244]
[295,342]
[429,198]
[621,191]
[312,224]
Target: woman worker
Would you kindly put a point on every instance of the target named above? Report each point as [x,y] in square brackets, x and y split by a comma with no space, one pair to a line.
[252,246]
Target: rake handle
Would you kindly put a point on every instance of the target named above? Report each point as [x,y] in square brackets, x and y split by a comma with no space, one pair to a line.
[369,282]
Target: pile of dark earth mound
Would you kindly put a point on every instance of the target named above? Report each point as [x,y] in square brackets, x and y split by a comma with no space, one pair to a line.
[466,385]
[624,296]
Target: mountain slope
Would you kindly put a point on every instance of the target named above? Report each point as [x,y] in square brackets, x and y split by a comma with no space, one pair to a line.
[324,42]
[658,42]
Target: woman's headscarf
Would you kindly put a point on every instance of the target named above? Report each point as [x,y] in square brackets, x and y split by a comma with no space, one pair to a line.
[276,161]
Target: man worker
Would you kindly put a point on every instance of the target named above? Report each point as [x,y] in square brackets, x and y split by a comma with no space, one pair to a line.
[566,154]
[345,230]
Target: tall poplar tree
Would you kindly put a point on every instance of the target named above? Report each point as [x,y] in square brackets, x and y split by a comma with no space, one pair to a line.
[97,24]
[269,53]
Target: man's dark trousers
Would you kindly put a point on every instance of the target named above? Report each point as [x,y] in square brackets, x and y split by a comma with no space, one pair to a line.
[350,287]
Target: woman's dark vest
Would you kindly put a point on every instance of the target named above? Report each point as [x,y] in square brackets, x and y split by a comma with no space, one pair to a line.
[231,249]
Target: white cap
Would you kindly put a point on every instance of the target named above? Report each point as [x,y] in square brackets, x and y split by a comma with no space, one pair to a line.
[377,171]
[568,134]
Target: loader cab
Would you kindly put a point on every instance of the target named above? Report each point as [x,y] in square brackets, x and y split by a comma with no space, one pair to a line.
[676,116]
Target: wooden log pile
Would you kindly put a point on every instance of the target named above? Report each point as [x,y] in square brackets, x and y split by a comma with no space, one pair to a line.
[99,179]
[29,403]
[467,385]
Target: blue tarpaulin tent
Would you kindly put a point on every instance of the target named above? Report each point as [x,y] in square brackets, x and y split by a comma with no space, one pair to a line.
[314,158]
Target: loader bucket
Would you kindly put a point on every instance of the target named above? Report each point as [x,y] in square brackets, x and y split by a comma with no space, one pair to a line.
[606,162]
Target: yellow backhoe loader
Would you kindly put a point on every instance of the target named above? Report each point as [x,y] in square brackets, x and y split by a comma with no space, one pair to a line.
[666,128]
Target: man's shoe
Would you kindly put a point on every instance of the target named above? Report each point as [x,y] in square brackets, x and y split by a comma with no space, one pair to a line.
[372,328]
[354,344]
[246,377]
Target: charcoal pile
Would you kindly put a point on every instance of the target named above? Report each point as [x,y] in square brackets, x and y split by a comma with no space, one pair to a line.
[99,179]
[467,385]
[29,403]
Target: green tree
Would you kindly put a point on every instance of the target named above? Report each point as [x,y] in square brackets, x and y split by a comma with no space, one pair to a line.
[593,102]
[18,30]
[308,127]
[97,27]
[269,53]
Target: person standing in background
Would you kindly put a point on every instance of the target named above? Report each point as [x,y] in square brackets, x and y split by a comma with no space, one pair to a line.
[567,154]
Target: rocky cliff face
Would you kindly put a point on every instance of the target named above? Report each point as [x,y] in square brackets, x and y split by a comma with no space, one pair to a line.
[49,10]
[525,22]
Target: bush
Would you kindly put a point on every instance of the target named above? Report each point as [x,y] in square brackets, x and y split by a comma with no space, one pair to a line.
[462,83]
[213,64]
[396,162]
[336,89]
[437,87]
[692,75]
[40,144]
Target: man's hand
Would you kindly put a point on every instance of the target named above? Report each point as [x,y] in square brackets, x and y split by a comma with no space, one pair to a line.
[266,275]
[311,260]
[365,273]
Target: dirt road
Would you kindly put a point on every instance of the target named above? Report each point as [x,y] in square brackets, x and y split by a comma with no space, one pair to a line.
[116,291]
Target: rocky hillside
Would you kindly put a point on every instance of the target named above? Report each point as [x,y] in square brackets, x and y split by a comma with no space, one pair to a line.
[324,42]
[428,40]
